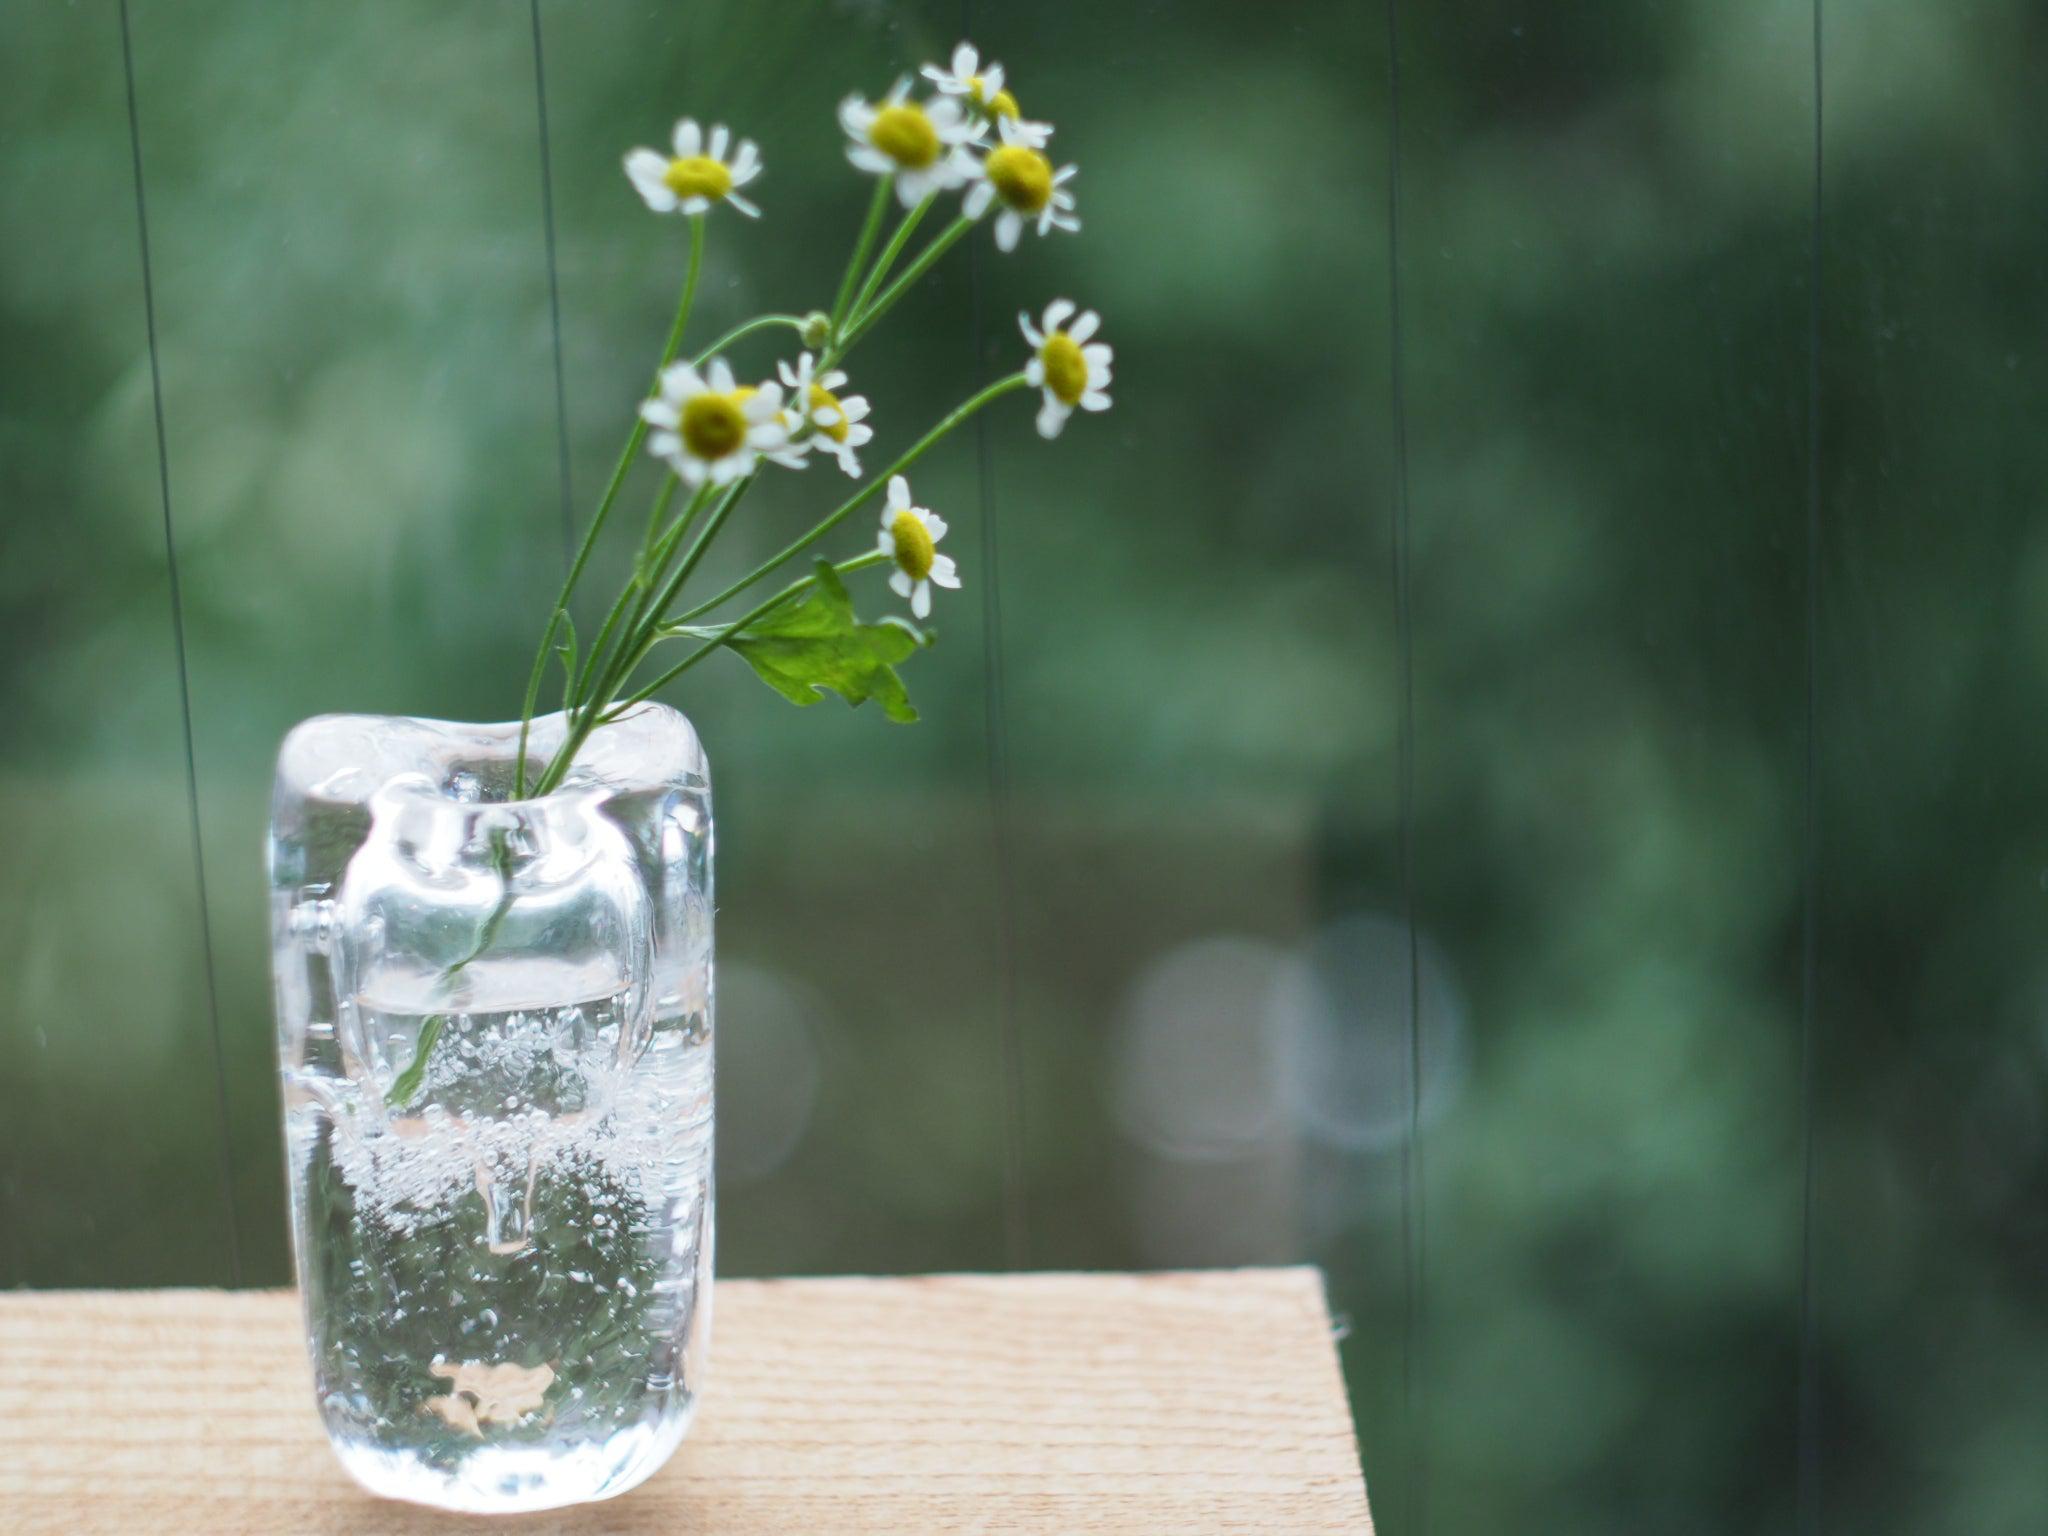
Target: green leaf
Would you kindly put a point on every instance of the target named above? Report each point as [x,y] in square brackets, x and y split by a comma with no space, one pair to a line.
[803,648]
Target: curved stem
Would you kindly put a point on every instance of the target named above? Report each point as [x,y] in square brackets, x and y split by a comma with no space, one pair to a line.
[611,494]
[910,456]
[861,248]
[747,328]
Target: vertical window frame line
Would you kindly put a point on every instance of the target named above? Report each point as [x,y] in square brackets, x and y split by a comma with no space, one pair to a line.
[177,618]
[1414,1247]
[547,207]
[1002,822]
[1807,1486]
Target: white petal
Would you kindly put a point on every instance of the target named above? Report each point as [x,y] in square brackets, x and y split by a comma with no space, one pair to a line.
[1094,400]
[847,461]
[746,160]
[899,492]
[1051,417]
[720,139]
[979,196]
[681,380]
[935,525]
[1008,227]
[1096,353]
[945,572]
[689,138]
[659,413]
[1034,371]
[921,600]
[664,445]
[1065,175]
[855,408]
[763,403]
[744,206]
[720,377]
[856,116]
[857,436]
[1086,326]
[696,205]
[966,60]
[1031,332]
[991,81]
[885,542]
[1056,313]
[900,583]
[646,168]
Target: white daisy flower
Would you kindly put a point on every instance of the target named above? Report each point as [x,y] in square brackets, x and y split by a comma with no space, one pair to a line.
[980,85]
[711,428]
[824,418]
[698,175]
[921,144]
[1017,173]
[908,534]
[1066,365]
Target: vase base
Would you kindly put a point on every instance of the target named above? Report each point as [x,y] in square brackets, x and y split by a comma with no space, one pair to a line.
[521,1479]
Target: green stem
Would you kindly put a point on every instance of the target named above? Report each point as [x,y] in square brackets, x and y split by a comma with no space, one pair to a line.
[861,248]
[865,320]
[647,622]
[611,494]
[853,504]
[906,227]
[747,328]
[633,647]
[643,577]
[656,510]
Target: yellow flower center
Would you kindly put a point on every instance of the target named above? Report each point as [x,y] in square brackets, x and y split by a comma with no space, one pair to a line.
[1021,176]
[822,399]
[903,133]
[914,552]
[1066,371]
[714,425]
[698,176]
[1002,104]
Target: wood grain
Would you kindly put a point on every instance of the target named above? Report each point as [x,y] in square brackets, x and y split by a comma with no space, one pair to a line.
[1076,1404]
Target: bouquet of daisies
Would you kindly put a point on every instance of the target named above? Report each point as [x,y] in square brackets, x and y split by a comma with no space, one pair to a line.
[716,428]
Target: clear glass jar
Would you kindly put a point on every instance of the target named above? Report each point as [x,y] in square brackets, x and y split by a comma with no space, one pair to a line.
[495,1031]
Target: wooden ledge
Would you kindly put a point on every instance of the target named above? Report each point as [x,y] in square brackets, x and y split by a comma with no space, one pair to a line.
[1043,1403]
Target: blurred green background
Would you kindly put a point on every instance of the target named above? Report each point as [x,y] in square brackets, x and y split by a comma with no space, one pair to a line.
[1696,778]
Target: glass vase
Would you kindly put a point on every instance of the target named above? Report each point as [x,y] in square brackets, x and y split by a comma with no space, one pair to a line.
[495,1030]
